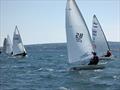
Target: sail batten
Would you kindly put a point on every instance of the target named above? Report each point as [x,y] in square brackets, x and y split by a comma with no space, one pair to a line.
[100,43]
[78,38]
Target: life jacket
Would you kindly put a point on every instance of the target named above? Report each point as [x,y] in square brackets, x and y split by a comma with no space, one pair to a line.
[108,54]
[94,60]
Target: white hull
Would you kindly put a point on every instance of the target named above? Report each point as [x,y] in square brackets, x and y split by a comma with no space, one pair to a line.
[107,58]
[19,56]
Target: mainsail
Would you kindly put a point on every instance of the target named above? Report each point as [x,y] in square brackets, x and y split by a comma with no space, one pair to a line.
[18,47]
[0,43]
[79,42]
[100,43]
[8,46]
[4,45]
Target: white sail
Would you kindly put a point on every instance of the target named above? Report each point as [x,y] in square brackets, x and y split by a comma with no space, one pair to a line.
[4,45]
[100,43]
[18,47]
[8,46]
[0,43]
[79,42]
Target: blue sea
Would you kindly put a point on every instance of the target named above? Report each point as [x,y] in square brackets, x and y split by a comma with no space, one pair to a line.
[46,68]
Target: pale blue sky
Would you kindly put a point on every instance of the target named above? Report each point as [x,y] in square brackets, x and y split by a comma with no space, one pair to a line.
[43,21]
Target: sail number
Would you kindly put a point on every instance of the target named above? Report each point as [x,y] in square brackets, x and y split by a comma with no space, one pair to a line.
[16,37]
[95,26]
[94,32]
[79,37]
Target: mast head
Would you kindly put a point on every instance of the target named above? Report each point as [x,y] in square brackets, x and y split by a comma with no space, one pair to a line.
[94,15]
[16,30]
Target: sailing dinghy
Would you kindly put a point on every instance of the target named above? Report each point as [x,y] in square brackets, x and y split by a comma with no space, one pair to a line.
[0,43]
[100,43]
[4,45]
[79,43]
[18,47]
[8,46]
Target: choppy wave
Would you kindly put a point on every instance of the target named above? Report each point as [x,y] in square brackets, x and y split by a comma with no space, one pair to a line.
[46,68]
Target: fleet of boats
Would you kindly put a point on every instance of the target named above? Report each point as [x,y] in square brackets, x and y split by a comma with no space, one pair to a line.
[80,45]
[79,42]
[15,49]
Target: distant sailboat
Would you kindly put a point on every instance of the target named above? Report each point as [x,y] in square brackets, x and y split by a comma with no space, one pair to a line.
[18,47]
[79,42]
[0,43]
[100,43]
[4,45]
[8,46]
[0,50]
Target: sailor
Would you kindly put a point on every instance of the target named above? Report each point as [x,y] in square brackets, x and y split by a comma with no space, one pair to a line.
[94,60]
[24,54]
[11,53]
[108,54]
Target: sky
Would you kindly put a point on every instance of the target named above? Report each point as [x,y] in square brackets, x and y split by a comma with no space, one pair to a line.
[43,21]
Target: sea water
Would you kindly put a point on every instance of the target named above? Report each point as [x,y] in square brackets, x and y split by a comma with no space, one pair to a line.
[46,68]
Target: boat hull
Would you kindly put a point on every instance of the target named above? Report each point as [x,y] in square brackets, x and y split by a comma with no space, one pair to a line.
[107,58]
[87,67]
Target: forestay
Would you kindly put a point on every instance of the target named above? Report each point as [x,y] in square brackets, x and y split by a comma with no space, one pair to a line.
[79,42]
[100,43]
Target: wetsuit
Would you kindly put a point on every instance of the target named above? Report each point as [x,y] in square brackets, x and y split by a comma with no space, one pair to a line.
[108,54]
[24,54]
[94,60]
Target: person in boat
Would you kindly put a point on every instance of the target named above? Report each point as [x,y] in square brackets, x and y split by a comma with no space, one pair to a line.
[108,54]
[24,54]
[11,53]
[94,60]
